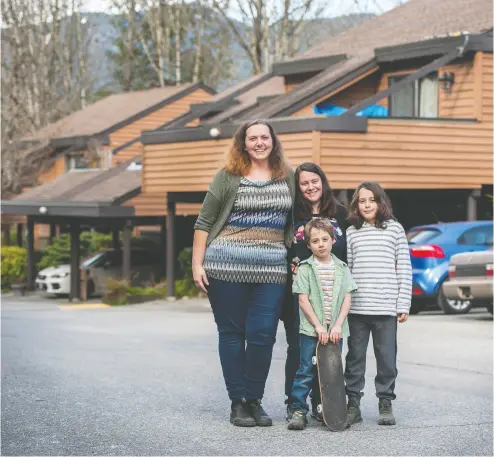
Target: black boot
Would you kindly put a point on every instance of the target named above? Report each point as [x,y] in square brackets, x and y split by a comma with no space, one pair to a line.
[258,413]
[240,415]
[386,416]
[353,411]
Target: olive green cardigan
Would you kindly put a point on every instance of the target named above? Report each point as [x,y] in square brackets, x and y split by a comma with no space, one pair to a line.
[219,202]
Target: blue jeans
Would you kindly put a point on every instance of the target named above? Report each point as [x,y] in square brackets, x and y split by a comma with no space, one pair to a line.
[291,322]
[306,373]
[247,319]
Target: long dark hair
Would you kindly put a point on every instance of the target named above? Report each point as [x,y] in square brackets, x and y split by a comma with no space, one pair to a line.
[238,160]
[303,207]
[384,208]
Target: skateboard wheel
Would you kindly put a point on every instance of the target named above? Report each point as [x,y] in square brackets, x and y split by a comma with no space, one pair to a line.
[314,360]
[319,409]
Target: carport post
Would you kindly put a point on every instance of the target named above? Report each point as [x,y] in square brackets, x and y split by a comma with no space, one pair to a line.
[75,272]
[170,251]
[126,251]
[472,206]
[116,239]
[53,233]
[20,229]
[30,253]
[6,236]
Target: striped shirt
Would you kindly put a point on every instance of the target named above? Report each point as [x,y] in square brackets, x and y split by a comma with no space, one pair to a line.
[326,278]
[250,247]
[379,261]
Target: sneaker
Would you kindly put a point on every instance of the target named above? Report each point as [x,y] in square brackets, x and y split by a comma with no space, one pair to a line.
[289,412]
[386,416]
[298,421]
[257,412]
[353,411]
[240,416]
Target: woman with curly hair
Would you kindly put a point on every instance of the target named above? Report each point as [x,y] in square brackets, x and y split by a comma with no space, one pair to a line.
[240,261]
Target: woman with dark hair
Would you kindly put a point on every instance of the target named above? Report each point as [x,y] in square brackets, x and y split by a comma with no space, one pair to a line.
[240,260]
[313,198]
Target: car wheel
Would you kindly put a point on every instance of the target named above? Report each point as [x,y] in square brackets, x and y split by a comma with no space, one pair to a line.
[417,306]
[452,306]
[489,307]
[90,289]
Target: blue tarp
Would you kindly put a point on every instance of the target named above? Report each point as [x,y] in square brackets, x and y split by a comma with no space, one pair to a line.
[328,109]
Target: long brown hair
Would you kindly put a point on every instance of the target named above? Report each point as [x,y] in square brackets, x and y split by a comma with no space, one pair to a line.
[303,207]
[384,208]
[238,161]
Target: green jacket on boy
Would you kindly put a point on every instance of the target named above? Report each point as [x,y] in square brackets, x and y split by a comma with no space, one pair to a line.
[307,282]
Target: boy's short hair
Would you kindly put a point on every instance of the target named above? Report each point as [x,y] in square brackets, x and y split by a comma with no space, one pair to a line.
[320,223]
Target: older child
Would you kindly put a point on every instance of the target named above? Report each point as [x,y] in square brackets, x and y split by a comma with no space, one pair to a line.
[379,260]
[324,285]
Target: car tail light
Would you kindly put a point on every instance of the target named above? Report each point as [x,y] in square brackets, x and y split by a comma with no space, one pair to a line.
[427,251]
[489,269]
[452,271]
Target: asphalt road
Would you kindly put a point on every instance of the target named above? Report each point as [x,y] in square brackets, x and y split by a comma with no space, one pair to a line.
[146,380]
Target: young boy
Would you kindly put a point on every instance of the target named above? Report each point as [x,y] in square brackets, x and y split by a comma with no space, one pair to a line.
[324,285]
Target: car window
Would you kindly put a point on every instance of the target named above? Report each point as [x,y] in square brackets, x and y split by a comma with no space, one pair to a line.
[92,261]
[421,236]
[479,236]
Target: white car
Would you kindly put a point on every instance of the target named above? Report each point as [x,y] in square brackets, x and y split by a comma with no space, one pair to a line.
[147,266]
[54,280]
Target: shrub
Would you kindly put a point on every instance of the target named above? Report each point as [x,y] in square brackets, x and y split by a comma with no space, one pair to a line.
[116,291]
[185,262]
[14,265]
[58,252]
[185,288]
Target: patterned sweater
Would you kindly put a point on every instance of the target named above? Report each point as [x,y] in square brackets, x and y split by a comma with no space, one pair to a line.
[379,261]
[250,247]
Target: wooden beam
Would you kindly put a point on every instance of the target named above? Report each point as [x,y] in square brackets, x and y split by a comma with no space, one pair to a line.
[170,251]
[20,230]
[75,254]
[53,233]
[126,263]
[478,78]
[316,147]
[30,253]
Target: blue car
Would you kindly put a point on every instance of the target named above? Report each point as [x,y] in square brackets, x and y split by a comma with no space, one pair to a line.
[431,247]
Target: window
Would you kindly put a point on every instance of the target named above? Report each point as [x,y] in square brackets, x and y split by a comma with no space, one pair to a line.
[417,99]
[421,236]
[77,162]
[478,236]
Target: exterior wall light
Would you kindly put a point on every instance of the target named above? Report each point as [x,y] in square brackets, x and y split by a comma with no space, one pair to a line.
[214,132]
[43,209]
[447,80]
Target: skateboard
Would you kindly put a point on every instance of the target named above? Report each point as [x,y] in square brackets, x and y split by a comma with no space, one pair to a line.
[332,385]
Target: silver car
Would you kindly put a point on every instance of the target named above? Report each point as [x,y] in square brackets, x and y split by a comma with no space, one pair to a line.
[471,278]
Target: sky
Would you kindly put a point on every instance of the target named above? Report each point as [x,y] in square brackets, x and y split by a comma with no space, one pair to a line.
[338,8]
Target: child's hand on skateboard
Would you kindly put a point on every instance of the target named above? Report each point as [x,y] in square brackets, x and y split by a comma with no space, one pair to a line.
[335,335]
[322,334]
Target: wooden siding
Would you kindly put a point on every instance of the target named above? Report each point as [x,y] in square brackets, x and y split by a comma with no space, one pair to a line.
[459,103]
[152,121]
[308,110]
[147,204]
[410,155]
[359,91]
[190,166]
[487,80]
[56,169]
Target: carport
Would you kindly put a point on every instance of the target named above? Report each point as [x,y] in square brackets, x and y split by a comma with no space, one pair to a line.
[87,199]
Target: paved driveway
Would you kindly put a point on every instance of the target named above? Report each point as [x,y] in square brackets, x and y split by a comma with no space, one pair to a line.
[146,380]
